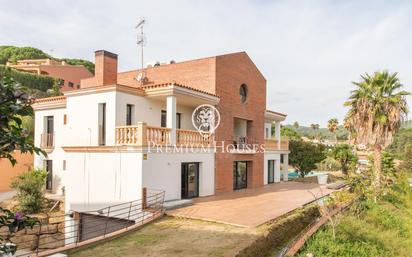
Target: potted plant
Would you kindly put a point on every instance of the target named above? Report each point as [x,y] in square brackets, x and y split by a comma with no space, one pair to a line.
[14,222]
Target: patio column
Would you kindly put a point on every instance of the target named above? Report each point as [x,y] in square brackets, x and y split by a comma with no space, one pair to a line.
[285,167]
[277,133]
[277,171]
[171,117]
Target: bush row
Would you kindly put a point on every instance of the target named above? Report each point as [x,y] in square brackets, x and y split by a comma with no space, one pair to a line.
[32,81]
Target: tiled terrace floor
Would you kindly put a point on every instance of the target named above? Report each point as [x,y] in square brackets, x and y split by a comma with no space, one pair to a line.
[251,207]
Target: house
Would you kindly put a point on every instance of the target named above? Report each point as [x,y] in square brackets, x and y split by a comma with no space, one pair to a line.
[70,75]
[122,131]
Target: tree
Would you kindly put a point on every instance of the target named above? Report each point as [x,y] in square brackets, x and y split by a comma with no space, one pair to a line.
[14,53]
[343,153]
[377,108]
[315,128]
[296,125]
[290,133]
[333,126]
[305,155]
[14,105]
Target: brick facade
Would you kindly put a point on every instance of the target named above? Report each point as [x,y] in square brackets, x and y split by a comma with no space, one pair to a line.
[232,71]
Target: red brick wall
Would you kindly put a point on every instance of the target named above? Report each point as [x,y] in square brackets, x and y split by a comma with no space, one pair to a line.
[196,73]
[232,71]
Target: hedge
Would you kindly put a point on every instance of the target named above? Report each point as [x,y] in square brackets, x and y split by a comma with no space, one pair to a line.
[29,80]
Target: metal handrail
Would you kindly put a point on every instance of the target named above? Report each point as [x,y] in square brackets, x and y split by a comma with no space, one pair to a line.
[101,223]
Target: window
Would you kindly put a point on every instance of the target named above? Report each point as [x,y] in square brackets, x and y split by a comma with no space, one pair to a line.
[163,122]
[64,119]
[61,82]
[78,86]
[243,93]
[64,164]
[129,114]
[178,116]
[102,124]
[71,84]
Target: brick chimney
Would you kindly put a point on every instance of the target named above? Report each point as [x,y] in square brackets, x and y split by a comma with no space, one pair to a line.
[105,69]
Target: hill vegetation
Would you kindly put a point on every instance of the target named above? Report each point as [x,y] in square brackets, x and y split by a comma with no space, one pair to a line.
[320,133]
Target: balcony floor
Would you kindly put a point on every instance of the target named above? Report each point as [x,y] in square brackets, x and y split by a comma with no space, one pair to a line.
[251,207]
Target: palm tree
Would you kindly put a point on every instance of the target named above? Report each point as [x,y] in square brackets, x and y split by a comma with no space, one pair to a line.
[377,109]
[314,127]
[333,126]
[296,125]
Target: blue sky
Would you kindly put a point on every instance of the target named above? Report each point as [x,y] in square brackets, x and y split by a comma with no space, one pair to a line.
[309,51]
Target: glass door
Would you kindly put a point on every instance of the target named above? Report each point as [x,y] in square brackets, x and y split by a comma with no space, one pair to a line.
[271,171]
[190,180]
[239,175]
[49,179]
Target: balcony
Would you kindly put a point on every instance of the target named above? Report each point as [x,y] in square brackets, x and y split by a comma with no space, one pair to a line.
[142,135]
[47,141]
[276,145]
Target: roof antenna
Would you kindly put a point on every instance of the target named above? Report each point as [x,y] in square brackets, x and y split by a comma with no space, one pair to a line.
[141,41]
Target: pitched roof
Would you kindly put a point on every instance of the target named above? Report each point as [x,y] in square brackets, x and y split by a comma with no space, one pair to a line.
[50,99]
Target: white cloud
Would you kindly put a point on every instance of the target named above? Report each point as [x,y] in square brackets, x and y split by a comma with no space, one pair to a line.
[309,51]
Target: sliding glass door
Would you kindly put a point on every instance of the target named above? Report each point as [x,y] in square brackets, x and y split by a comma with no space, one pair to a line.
[190,180]
[271,171]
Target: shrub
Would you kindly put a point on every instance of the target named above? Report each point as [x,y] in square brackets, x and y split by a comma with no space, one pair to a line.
[305,155]
[329,164]
[30,190]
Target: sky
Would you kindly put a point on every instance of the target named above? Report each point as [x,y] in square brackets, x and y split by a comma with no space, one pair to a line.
[308,51]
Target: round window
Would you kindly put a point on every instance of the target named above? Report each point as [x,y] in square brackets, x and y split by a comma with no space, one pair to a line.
[243,93]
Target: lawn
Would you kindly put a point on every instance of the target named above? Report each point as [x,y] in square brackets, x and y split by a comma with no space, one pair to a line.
[175,237]
[382,229]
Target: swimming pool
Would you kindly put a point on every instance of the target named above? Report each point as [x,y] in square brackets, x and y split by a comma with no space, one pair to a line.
[294,174]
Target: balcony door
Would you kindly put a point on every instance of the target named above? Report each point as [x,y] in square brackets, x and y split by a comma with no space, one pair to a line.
[190,180]
[47,140]
[239,175]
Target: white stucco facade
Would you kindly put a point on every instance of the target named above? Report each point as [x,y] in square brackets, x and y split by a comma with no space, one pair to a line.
[98,173]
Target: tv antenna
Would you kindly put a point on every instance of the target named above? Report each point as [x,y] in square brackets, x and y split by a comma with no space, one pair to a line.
[141,41]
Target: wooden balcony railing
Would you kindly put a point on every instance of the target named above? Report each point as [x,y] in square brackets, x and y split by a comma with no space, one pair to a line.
[273,144]
[142,134]
[47,140]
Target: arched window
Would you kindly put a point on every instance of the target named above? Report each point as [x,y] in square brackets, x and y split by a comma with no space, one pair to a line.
[243,93]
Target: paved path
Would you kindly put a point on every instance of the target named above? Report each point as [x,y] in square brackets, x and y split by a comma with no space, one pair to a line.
[251,207]
[7,195]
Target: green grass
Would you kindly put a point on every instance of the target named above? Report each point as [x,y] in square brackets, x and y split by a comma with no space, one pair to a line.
[383,229]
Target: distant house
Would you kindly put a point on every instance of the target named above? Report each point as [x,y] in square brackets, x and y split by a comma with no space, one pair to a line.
[70,75]
[98,137]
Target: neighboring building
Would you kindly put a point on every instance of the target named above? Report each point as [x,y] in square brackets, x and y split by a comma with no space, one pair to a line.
[69,74]
[8,171]
[100,137]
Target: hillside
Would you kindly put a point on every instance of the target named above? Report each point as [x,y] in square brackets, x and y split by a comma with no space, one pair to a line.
[13,54]
[323,133]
